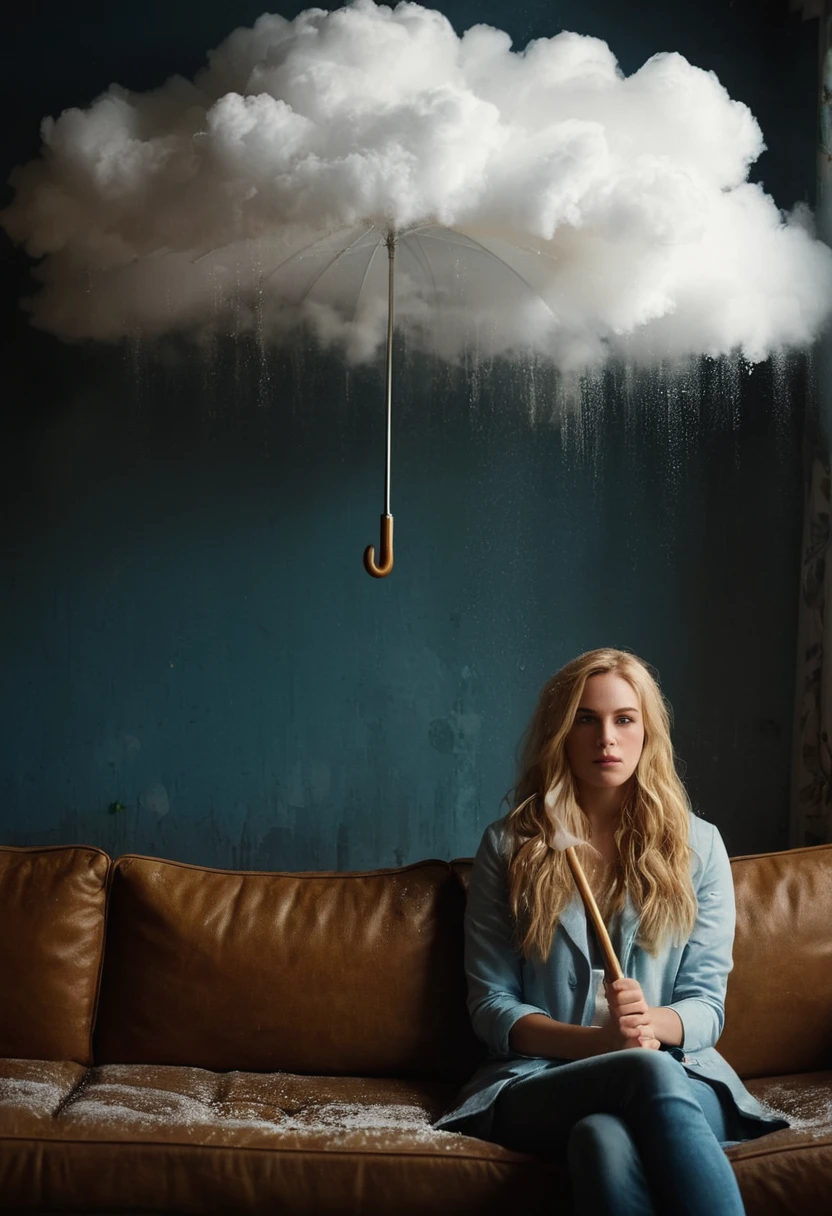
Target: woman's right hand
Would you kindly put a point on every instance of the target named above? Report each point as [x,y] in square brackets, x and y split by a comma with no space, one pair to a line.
[621,1034]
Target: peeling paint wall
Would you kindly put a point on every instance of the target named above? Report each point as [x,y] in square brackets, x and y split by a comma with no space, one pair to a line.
[196,664]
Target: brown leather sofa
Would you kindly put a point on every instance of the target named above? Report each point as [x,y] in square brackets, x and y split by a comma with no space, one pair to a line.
[186,1040]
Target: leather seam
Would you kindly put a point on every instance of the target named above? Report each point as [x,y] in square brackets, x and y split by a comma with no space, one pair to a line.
[22,849]
[521,1159]
[775,1151]
[76,1089]
[125,859]
[105,921]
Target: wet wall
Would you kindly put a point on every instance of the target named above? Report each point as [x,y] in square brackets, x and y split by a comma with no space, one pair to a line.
[195,663]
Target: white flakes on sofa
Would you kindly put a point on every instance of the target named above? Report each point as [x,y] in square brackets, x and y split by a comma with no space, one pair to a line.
[141,1104]
[807,1109]
[36,1097]
[272,1103]
[356,1117]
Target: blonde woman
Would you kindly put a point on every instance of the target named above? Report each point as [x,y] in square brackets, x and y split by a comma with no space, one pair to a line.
[620,1079]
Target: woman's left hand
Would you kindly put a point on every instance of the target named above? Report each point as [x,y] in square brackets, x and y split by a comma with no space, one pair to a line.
[647,1037]
[629,1008]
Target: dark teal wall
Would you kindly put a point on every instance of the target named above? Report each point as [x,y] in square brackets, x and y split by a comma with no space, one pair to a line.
[187,627]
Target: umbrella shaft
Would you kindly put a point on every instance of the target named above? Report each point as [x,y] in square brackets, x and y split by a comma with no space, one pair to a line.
[391,255]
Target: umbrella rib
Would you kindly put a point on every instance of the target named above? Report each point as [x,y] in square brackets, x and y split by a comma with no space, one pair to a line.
[296,254]
[432,229]
[424,262]
[364,278]
[300,302]
[430,236]
[299,252]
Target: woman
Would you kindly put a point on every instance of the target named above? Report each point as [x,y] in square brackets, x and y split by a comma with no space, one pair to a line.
[619,1079]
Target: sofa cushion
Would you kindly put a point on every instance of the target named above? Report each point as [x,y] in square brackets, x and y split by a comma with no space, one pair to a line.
[778,1012]
[313,973]
[169,1139]
[52,906]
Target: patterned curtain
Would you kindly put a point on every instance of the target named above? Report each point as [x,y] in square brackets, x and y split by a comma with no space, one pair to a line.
[811,809]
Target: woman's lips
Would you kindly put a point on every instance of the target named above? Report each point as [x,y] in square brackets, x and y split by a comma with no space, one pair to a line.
[607,760]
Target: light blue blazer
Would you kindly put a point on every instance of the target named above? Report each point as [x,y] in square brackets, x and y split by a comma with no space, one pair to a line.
[503,986]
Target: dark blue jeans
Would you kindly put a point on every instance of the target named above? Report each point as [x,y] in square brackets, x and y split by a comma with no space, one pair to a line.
[639,1136]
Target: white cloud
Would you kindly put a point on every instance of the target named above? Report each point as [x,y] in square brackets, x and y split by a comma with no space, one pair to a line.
[618,207]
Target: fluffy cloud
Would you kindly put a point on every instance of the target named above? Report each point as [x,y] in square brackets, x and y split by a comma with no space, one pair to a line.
[591,212]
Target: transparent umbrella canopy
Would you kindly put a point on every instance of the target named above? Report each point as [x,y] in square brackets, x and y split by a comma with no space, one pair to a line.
[447,286]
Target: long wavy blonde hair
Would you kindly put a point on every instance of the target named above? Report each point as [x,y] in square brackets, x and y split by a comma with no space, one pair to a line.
[652,836]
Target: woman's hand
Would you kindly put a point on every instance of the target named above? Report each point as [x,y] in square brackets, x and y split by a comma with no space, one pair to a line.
[629,1024]
[615,1037]
[625,998]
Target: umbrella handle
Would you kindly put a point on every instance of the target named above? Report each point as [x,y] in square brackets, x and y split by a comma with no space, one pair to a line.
[611,963]
[384,565]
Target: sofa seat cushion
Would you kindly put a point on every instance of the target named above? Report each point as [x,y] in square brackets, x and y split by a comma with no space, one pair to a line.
[790,1171]
[149,1138]
[121,1138]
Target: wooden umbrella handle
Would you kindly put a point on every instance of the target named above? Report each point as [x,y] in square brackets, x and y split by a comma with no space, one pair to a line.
[611,963]
[382,567]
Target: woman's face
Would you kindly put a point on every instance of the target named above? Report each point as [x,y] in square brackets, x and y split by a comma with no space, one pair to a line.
[605,742]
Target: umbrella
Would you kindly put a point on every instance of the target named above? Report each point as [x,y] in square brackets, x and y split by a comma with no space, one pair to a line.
[451,276]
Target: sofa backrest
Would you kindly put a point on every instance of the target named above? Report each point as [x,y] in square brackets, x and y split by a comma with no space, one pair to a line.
[778,1014]
[52,907]
[778,1011]
[340,973]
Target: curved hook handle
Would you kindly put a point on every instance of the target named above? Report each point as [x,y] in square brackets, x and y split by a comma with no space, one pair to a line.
[384,565]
